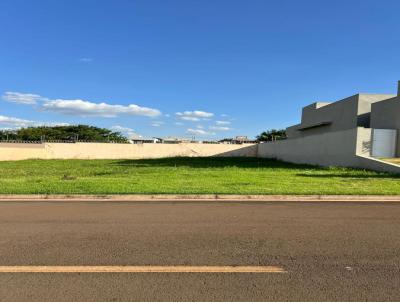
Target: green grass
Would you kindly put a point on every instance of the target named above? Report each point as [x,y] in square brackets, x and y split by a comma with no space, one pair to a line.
[187,176]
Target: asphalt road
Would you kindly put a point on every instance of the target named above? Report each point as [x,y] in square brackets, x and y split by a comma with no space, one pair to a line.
[331,251]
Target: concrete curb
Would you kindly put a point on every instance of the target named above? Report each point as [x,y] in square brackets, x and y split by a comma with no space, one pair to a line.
[203,197]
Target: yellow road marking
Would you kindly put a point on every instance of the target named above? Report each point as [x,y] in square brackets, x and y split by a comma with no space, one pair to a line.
[141,269]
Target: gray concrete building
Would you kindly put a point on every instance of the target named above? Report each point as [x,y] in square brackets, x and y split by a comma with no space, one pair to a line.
[386,115]
[352,112]
[356,131]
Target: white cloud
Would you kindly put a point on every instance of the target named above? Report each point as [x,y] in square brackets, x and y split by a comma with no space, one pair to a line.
[194,116]
[220,123]
[86,60]
[178,123]
[21,98]
[157,124]
[190,118]
[200,127]
[129,132]
[224,115]
[219,128]
[79,107]
[86,108]
[199,132]
[121,129]
[14,122]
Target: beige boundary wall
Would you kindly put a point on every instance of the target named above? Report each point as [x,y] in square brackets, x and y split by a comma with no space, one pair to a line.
[11,151]
[349,148]
[328,149]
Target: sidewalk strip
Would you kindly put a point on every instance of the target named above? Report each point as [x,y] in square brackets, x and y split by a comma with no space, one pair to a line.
[197,197]
[141,269]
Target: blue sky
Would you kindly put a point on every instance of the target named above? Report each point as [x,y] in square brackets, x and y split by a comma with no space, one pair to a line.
[209,68]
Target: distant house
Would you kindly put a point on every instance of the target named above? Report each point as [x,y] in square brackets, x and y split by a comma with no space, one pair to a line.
[237,140]
[143,140]
[173,140]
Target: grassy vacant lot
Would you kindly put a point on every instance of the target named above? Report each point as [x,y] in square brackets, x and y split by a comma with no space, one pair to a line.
[188,175]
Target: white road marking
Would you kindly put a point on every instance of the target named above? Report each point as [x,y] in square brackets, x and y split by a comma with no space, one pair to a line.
[141,269]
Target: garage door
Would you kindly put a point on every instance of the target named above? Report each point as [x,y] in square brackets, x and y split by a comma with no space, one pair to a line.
[384,143]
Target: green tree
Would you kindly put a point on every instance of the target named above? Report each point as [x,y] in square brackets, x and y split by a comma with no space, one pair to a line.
[64,133]
[272,135]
